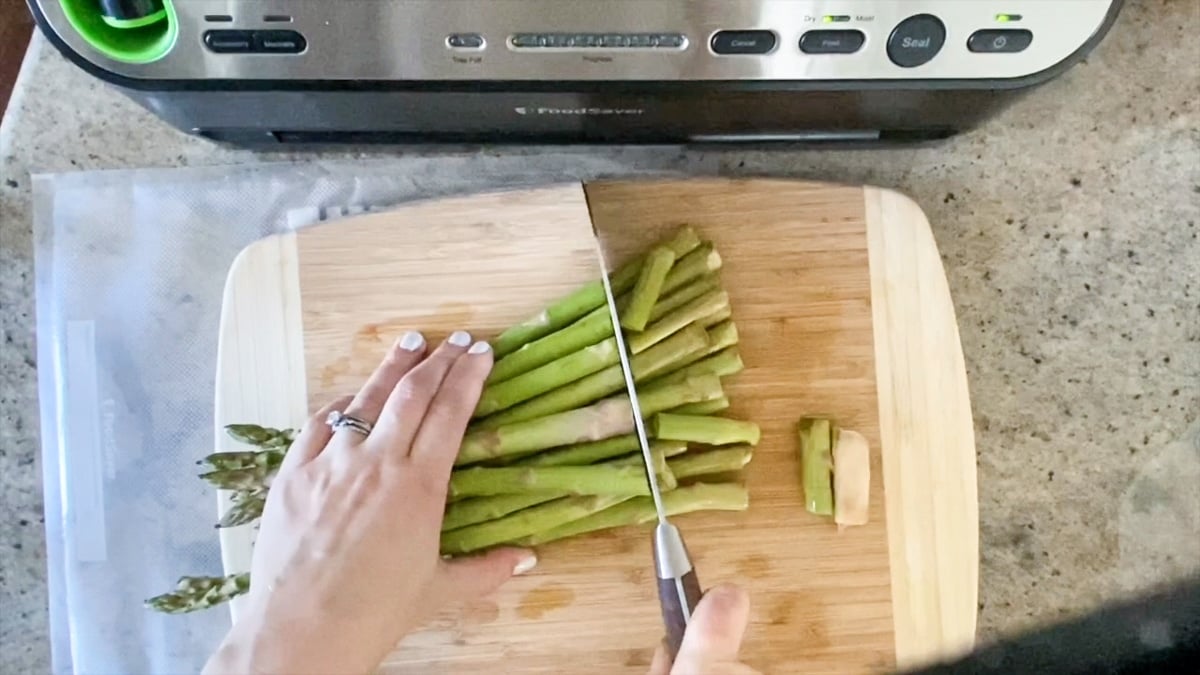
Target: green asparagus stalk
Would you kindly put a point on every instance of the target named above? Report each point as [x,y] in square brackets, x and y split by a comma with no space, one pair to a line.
[589,297]
[583,454]
[575,480]
[722,364]
[540,380]
[245,478]
[696,310]
[672,302]
[524,523]
[722,460]
[608,418]
[717,317]
[701,261]
[247,507]
[647,289]
[193,593]
[605,382]
[703,407]
[243,459]
[816,463]
[640,510]
[593,328]
[706,430]
[263,437]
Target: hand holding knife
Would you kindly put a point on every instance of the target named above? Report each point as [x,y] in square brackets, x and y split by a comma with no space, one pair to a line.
[678,587]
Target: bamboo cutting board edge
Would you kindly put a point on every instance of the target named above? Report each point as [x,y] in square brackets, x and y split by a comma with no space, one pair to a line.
[930,618]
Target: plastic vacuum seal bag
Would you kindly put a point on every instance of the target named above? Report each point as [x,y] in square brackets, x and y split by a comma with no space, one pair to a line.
[131,267]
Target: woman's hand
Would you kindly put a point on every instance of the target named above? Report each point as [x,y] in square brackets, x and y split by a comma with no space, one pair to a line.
[713,637]
[346,560]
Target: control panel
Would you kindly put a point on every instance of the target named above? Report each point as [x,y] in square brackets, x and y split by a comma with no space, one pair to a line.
[610,40]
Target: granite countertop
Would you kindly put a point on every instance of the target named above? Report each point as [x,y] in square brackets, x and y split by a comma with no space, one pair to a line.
[1068,226]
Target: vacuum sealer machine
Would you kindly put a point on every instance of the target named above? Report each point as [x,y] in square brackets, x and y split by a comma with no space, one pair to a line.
[279,71]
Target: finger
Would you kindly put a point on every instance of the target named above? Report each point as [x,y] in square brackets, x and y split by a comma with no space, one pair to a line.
[400,359]
[714,635]
[661,665]
[410,398]
[313,437]
[476,576]
[441,432]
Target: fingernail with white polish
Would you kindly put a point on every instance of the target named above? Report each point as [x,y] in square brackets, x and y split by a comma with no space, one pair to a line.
[412,341]
[480,347]
[459,338]
[525,565]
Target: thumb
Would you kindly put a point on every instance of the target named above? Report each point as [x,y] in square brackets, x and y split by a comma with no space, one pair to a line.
[479,575]
[714,635]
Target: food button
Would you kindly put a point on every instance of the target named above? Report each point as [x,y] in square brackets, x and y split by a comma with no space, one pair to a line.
[832,41]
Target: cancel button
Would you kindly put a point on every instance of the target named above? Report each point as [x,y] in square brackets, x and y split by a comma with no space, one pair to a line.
[743,42]
[916,40]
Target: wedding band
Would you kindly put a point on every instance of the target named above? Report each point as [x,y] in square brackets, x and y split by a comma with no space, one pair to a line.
[337,420]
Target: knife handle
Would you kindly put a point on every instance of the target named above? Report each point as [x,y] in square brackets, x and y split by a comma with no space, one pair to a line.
[676,615]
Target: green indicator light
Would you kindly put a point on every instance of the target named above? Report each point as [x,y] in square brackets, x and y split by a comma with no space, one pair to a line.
[1008,18]
[835,18]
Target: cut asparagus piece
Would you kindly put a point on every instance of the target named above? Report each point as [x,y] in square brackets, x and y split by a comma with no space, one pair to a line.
[716,318]
[722,364]
[591,329]
[608,418]
[647,289]
[851,479]
[816,462]
[681,297]
[702,408]
[545,378]
[193,593]
[706,430]
[696,310]
[722,460]
[523,523]
[684,241]
[247,507]
[576,480]
[701,261]
[605,382]
[640,510]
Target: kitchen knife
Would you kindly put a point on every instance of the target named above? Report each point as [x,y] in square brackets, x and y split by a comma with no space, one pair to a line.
[678,587]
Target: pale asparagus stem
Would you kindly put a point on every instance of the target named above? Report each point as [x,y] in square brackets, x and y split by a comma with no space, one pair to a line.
[193,593]
[851,479]
[247,507]
[540,380]
[576,480]
[591,329]
[696,310]
[706,430]
[703,260]
[647,289]
[816,463]
[681,297]
[523,523]
[608,418]
[703,407]
[584,300]
[722,460]
[640,510]
[722,364]
[716,318]
[482,509]
[605,382]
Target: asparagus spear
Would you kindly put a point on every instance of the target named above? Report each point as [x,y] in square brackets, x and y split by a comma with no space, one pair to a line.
[647,289]
[589,297]
[244,459]
[699,287]
[540,380]
[608,418]
[724,363]
[703,407]
[701,261]
[524,523]
[591,329]
[576,480]
[696,310]
[602,383]
[640,510]
[816,462]
[247,507]
[245,478]
[714,461]
[588,453]
[707,430]
[193,593]
[263,437]
[717,317]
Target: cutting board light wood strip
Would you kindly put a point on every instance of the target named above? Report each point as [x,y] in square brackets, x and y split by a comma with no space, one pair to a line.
[842,308]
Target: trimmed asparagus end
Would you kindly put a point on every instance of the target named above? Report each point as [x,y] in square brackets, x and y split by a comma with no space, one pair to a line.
[816,461]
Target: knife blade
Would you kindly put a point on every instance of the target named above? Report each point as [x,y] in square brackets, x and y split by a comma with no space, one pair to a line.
[678,586]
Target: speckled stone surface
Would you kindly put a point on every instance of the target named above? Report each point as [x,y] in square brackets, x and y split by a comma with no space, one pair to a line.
[1068,226]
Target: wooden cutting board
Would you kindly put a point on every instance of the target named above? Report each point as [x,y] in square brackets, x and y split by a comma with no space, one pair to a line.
[843,309]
